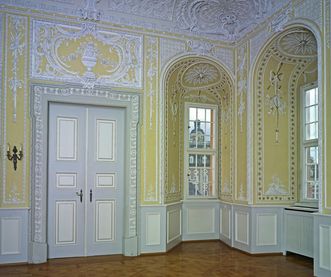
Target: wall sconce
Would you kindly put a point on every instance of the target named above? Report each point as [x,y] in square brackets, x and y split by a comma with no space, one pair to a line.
[14,157]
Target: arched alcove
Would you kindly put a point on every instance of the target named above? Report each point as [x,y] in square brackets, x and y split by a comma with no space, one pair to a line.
[197,80]
[285,65]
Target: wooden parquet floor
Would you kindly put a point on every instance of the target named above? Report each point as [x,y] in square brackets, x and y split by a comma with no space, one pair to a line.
[207,259]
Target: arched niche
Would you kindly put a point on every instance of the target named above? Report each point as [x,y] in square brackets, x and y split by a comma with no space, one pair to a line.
[203,81]
[287,63]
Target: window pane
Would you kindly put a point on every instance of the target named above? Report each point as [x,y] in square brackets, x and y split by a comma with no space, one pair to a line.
[311,97]
[193,114]
[201,181]
[311,131]
[201,115]
[192,160]
[311,114]
[208,117]
[312,191]
[208,142]
[311,156]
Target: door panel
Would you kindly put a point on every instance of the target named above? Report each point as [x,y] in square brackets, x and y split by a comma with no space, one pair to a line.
[66,179]
[105,180]
[85,180]
[65,225]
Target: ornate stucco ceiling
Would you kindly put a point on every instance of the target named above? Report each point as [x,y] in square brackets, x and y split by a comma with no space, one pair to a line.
[226,20]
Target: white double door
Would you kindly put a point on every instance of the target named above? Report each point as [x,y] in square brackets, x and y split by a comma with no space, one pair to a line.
[85,180]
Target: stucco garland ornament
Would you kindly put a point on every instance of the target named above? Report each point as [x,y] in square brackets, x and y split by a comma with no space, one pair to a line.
[275,101]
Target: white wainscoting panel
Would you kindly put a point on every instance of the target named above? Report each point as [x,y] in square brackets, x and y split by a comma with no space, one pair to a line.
[174,229]
[266,229]
[174,225]
[242,227]
[322,245]
[13,235]
[226,224]
[10,235]
[201,220]
[325,247]
[153,225]
[225,220]
[153,229]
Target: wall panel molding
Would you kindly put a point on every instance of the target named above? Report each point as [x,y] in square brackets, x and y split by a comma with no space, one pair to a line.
[322,245]
[13,235]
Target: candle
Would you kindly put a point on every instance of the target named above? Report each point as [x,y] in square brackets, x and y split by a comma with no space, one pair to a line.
[21,147]
[8,147]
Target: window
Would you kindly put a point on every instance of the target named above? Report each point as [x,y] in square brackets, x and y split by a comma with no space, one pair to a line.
[200,151]
[309,143]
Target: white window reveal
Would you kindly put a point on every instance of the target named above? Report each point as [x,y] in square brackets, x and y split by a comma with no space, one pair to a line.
[201,151]
[309,145]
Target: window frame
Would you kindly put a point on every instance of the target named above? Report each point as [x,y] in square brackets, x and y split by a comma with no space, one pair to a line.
[305,143]
[212,151]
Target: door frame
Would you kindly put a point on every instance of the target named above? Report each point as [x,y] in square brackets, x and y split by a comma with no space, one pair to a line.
[40,97]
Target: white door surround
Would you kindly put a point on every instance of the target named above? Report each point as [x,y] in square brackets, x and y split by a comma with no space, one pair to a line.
[41,96]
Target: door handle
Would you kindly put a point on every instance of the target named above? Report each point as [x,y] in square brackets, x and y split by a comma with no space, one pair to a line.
[90,195]
[80,194]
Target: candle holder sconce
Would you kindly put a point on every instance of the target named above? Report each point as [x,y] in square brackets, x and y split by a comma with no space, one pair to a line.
[14,156]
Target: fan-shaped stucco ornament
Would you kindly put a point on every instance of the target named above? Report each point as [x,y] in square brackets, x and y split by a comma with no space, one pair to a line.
[298,43]
[200,75]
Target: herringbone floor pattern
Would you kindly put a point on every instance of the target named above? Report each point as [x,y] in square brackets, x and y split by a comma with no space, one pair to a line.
[207,259]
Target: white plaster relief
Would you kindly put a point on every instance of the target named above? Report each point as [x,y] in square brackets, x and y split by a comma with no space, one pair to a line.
[310,9]
[257,43]
[17,50]
[298,43]
[40,141]
[242,194]
[152,55]
[200,75]
[125,71]
[150,195]
[170,48]
[200,46]
[90,12]
[224,55]
[228,20]
[276,187]
[279,20]
[17,47]
[151,8]
[217,19]
[242,83]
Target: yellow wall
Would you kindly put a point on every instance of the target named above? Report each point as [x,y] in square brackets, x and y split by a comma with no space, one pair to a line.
[239,175]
